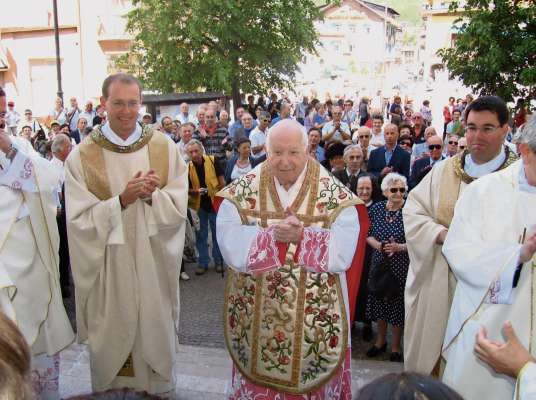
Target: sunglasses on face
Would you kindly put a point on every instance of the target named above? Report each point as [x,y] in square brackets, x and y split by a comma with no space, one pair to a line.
[364,136]
[405,143]
[265,120]
[401,190]
[452,142]
[463,147]
[434,147]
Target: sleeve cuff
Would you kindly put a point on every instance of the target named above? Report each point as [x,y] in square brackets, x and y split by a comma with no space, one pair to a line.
[501,290]
[265,253]
[313,250]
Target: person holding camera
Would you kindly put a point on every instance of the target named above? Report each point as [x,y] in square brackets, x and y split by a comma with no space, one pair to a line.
[205,179]
[389,267]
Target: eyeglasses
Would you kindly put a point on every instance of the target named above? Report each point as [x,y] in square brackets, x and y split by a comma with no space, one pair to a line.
[265,120]
[364,136]
[394,190]
[434,147]
[487,129]
[452,142]
[130,104]
[405,143]
[462,147]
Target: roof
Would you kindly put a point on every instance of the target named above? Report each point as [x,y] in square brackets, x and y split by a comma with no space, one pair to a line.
[378,9]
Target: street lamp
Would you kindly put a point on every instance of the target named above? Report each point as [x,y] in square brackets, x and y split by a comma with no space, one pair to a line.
[57,39]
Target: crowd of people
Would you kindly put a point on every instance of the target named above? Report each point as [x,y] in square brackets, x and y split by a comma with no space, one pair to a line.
[377,230]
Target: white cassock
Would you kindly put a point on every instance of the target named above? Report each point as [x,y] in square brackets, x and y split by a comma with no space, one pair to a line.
[482,249]
[29,264]
[526,382]
[126,265]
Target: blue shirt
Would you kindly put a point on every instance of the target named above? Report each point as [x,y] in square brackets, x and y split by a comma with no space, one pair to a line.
[389,155]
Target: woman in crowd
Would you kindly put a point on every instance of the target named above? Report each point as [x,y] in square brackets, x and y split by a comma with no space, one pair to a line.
[58,113]
[386,237]
[367,189]
[405,141]
[241,163]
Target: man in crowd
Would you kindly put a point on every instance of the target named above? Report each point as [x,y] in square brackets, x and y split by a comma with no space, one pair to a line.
[427,215]
[452,145]
[462,144]
[423,165]
[455,125]
[184,115]
[224,119]
[284,113]
[300,110]
[29,291]
[89,113]
[213,137]
[206,177]
[126,197]
[314,149]
[237,127]
[349,115]
[390,157]
[336,130]
[200,115]
[362,137]
[353,159]
[186,133]
[263,277]
[100,116]
[73,113]
[61,148]
[147,119]
[248,124]
[30,121]
[12,119]
[79,133]
[258,136]
[490,248]
[170,129]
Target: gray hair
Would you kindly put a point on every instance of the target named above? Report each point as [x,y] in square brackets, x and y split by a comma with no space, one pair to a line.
[528,134]
[391,178]
[197,142]
[351,147]
[59,142]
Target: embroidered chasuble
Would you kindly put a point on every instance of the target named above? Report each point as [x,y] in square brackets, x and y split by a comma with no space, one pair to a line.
[286,312]
[430,284]
[482,248]
[126,263]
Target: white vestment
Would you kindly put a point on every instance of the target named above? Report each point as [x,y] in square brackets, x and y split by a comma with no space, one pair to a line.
[482,249]
[126,267]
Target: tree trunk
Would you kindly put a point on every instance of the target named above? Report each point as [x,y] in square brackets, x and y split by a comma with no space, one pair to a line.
[235,95]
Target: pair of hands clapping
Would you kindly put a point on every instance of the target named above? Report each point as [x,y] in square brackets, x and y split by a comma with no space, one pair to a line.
[141,186]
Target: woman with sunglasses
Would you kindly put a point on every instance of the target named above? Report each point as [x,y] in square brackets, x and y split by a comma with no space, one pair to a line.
[387,239]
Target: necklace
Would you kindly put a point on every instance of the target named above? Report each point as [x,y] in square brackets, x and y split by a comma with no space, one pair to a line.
[391,216]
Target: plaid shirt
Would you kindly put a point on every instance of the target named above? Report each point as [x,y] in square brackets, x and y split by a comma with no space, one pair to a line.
[213,142]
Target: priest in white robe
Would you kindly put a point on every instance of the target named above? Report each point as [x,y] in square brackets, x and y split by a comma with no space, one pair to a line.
[427,215]
[290,232]
[490,248]
[29,275]
[126,196]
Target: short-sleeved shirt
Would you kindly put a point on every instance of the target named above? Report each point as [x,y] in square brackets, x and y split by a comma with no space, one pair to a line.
[337,136]
[257,138]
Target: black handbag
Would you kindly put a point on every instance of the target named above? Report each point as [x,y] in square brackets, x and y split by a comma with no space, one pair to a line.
[382,282]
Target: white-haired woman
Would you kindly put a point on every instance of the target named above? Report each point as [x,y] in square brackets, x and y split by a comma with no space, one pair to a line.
[389,267]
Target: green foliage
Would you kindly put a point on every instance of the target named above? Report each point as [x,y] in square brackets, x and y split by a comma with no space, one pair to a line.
[409,10]
[253,45]
[495,49]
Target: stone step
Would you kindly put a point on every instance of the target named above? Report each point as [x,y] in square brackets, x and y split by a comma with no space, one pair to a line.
[201,372]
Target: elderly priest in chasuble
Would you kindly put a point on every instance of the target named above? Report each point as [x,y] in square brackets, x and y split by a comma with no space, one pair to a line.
[428,213]
[289,231]
[490,248]
[29,264]
[126,190]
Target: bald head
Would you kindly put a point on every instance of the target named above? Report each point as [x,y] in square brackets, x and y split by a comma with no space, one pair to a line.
[287,151]
[285,129]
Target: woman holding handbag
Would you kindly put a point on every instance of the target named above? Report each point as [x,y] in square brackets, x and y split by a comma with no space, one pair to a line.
[389,267]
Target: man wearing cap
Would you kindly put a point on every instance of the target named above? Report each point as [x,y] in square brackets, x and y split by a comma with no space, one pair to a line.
[12,119]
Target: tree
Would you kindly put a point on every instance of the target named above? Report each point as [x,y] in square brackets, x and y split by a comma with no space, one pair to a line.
[229,45]
[495,48]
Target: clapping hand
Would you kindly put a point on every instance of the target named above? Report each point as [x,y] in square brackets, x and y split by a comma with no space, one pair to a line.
[139,187]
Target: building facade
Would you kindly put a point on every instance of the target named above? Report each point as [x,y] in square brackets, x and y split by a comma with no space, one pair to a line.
[92,34]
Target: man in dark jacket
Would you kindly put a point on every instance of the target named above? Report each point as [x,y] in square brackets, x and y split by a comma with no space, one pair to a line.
[390,157]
